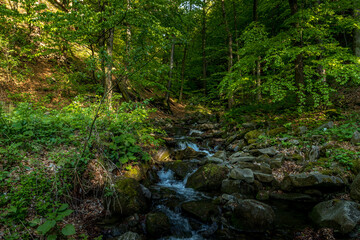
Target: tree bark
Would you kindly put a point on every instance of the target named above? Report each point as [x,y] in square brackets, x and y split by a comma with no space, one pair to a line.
[109,65]
[203,46]
[183,64]
[257,63]
[236,31]
[167,96]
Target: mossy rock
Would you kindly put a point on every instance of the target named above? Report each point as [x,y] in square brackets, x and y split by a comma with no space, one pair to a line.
[252,135]
[296,157]
[202,210]
[157,224]
[276,131]
[137,172]
[128,198]
[180,168]
[208,177]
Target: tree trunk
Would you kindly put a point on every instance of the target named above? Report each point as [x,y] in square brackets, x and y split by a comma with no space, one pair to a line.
[299,62]
[230,48]
[203,46]
[183,64]
[236,31]
[167,96]
[257,63]
[357,34]
[108,69]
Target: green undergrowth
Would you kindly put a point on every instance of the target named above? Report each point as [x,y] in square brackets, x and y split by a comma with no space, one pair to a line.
[42,150]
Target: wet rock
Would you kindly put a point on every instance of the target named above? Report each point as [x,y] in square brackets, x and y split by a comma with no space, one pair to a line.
[188,153]
[259,167]
[236,136]
[207,178]
[264,178]
[145,191]
[338,214]
[241,157]
[208,126]
[180,168]
[129,198]
[202,210]
[221,155]
[355,138]
[355,188]
[263,159]
[163,155]
[157,224]
[312,180]
[293,197]
[237,186]
[236,145]
[214,160]
[242,174]
[129,236]
[252,216]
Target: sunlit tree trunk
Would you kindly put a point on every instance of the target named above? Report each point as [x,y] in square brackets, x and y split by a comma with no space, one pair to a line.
[167,96]
[109,65]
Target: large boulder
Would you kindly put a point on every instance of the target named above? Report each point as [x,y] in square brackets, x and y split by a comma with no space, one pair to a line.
[180,168]
[237,186]
[202,210]
[241,157]
[338,214]
[137,172]
[252,216]
[221,155]
[242,174]
[207,178]
[157,224]
[355,139]
[129,198]
[355,189]
[252,135]
[188,153]
[312,180]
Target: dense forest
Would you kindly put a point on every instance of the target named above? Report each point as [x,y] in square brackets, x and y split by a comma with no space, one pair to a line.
[197,119]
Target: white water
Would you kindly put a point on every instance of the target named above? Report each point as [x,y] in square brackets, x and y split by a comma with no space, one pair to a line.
[168,180]
[192,131]
[183,144]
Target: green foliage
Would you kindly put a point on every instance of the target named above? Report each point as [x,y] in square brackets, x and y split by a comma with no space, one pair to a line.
[40,149]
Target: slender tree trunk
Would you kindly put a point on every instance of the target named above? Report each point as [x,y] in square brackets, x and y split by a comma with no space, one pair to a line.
[299,62]
[167,96]
[357,34]
[258,79]
[258,61]
[203,46]
[236,31]
[183,64]
[230,48]
[109,65]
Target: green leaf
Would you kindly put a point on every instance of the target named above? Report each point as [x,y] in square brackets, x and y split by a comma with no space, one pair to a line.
[68,230]
[63,207]
[46,226]
[34,222]
[62,215]
[51,237]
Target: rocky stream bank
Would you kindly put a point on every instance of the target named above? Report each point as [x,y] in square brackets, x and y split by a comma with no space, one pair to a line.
[211,184]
